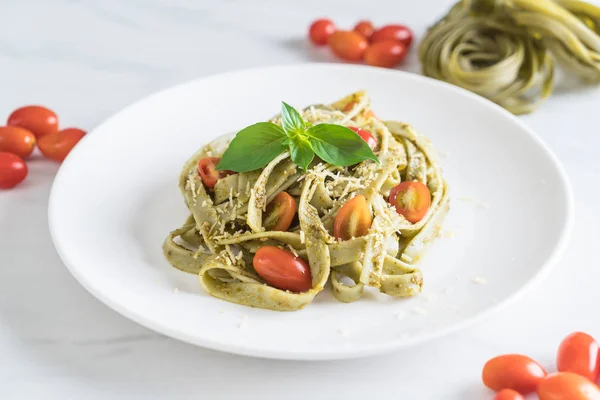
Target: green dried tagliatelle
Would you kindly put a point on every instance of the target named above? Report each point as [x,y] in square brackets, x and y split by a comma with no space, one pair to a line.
[504,49]
[226,226]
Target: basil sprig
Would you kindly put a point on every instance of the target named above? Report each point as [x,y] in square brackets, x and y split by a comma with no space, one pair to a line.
[256,145]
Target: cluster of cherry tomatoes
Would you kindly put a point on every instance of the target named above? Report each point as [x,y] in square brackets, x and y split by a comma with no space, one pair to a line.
[513,376]
[384,47]
[283,269]
[26,127]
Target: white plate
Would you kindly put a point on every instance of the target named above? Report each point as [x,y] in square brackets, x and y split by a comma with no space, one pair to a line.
[116,197]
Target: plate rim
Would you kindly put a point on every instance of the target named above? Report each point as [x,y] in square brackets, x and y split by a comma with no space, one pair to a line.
[339,353]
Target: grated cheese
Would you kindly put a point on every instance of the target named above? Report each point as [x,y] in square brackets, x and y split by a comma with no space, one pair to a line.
[175,290]
[401,315]
[244,323]
[344,332]
[448,290]
[479,280]
[419,311]
[302,237]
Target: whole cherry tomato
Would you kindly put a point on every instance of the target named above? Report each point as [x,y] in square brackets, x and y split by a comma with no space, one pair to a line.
[282,270]
[56,146]
[16,140]
[280,213]
[567,386]
[13,170]
[366,136]
[37,119]
[400,33]
[348,45]
[386,54]
[411,199]
[320,30]
[365,28]
[512,371]
[353,219]
[578,353]
[508,394]
[208,172]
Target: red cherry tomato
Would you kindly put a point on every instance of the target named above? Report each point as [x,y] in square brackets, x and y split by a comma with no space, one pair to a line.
[37,119]
[365,28]
[386,54]
[366,136]
[16,140]
[56,146]
[280,213]
[353,219]
[320,30]
[208,172]
[348,45]
[578,353]
[411,199]
[512,371]
[400,33]
[567,386]
[282,270]
[508,394]
[13,170]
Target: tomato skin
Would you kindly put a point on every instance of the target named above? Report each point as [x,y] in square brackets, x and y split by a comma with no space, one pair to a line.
[567,386]
[366,136]
[385,54]
[38,120]
[578,353]
[512,371]
[16,140]
[399,33]
[13,170]
[365,28]
[353,219]
[280,213]
[320,30]
[56,146]
[348,45]
[508,394]
[411,199]
[282,270]
[208,172]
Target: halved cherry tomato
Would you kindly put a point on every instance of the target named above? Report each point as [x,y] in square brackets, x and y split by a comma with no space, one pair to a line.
[578,353]
[348,45]
[208,172]
[16,140]
[567,386]
[365,28]
[353,219]
[385,54]
[512,371]
[37,119]
[56,146]
[508,394]
[400,33]
[411,199]
[320,30]
[282,269]
[13,170]
[366,136]
[280,213]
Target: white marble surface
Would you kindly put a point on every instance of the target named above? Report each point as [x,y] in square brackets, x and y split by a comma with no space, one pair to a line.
[89,58]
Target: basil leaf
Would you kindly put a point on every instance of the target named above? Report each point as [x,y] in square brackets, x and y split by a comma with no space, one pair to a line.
[253,147]
[339,145]
[291,120]
[301,152]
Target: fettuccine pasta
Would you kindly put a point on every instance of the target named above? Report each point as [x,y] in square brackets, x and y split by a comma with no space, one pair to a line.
[226,226]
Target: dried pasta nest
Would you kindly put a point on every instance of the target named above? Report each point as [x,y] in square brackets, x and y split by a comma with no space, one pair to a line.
[505,50]
[225,228]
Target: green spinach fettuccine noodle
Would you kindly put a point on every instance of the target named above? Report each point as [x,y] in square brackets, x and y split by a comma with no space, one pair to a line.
[225,227]
[505,50]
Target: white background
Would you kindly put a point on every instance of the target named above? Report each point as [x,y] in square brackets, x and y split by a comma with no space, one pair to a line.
[88,59]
